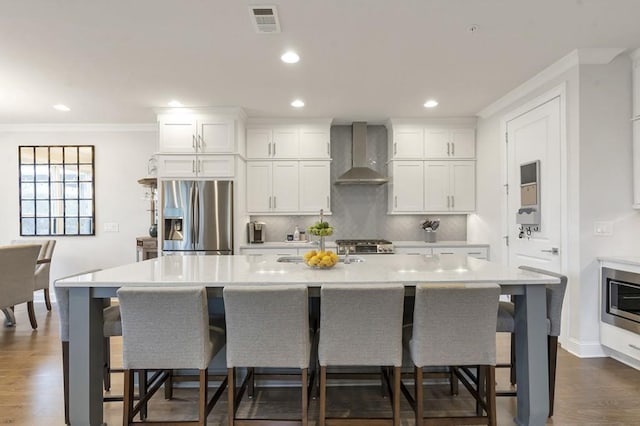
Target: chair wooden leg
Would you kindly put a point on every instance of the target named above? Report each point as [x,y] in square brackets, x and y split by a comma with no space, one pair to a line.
[512,371]
[231,396]
[65,380]
[305,396]
[168,386]
[202,405]
[482,380]
[491,395]
[552,343]
[47,299]
[106,368]
[453,381]
[32,315]
[128,398]
[396,395]
[252,382]
[419,410]
[323,395]
[142,391]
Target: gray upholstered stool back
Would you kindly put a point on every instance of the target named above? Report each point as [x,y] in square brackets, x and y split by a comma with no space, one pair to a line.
[454,324]
[165,327]
[17,263]
[267,326]
[361,325]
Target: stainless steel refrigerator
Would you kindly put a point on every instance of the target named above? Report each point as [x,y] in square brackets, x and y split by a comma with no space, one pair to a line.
[197,217]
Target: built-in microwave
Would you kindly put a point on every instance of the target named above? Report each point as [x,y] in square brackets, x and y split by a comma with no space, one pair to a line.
[621,299]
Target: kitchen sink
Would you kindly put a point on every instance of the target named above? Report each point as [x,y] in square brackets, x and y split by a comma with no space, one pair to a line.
[300,259]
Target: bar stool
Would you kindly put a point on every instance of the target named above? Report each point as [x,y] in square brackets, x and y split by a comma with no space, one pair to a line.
[506,324]
[166,328]
[361,326]
[267,327]
[453,324]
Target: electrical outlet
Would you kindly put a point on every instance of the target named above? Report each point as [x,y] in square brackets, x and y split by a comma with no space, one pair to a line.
[111,227]
[602,228]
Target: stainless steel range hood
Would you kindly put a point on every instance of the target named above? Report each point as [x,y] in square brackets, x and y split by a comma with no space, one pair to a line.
[359,173]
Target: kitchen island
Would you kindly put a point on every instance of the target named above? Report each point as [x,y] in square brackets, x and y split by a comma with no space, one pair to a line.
[216,272]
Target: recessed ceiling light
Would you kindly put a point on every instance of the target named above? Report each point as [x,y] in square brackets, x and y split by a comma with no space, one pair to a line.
[431,103]
[61,107]
[290,57]
[297,103]
[175,104]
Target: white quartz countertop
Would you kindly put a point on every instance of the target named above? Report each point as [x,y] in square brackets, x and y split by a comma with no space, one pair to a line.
[299,244]
[437,244]
[220,271]
[626,260]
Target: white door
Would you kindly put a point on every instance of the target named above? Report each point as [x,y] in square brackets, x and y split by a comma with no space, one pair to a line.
[437,197]
[259,178]
[285,186]
[216,136]
[285,142]
[408,181]
[315,187]
[408,143]
[535,135]
[259,143]
[178,134]
[462,186]
[314,142]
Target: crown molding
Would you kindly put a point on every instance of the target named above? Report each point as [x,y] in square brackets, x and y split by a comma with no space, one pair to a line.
[79,127]
[588,56]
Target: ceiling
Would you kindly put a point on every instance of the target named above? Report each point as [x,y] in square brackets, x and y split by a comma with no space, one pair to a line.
[113,61]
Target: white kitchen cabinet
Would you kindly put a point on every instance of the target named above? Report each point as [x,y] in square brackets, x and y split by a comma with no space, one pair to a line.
[449,186]
[477,252]
[315,187]
[407,186]
[259,142]
[445,143]
[636,84]
[408,143]
[272,187]
[635,56]
[274,142]
[314,142]
[185,133]
[195,166]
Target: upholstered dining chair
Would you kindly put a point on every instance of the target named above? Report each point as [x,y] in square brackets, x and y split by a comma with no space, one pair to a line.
[361,326]
[17,263]
[506,324]
[454,324]
[43,267]
[267,327]
[112,328]
[165,328]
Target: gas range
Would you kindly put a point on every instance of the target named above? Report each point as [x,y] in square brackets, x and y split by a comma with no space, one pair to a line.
[365,246]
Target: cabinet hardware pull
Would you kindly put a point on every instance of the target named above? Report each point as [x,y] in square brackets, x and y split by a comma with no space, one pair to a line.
[269,201]
[395,201]
[448,202]
[274,201]
[200,142]
[554,250]
[269,149]
[199,168]
[193,141]
[448,149]
[395,148]
[446,252]
[453,148]
[634,347]
[453,201]
[274,149]
[193,166]
[474,252]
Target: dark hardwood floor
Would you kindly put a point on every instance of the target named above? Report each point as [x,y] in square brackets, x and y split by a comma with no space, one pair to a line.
[589,391]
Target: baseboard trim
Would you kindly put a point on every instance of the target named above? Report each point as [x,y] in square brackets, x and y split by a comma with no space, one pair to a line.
[625,359]
[580,349]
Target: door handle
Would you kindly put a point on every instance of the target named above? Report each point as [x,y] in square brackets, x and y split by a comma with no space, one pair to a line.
[554,250]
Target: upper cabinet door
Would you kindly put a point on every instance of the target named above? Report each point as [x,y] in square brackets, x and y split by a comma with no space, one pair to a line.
[259,143]
[408,143]
[408,184]
[437,143]
[462,186]
[259,177]
[436,186]
[216,136]
[285,186]
[178,134]
[285,142]
[636,88]
[315,187]
[314,142]
[463,143]
[177,166]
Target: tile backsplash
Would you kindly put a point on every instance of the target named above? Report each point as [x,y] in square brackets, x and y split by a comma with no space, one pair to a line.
[360,211]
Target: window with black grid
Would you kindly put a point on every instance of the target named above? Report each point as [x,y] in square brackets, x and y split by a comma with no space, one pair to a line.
[57,190]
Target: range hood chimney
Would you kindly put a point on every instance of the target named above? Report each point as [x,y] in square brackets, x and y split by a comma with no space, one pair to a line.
[359,173]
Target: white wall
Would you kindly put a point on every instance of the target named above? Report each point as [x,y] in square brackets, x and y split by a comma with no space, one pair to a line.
[599,176]
[120,160]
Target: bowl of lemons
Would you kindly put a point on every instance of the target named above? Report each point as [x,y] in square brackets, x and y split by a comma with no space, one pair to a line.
[320,259]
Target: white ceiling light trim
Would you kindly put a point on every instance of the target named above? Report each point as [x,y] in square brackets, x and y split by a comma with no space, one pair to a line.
[61,107]
[298,103]
[431,103]
[290,57]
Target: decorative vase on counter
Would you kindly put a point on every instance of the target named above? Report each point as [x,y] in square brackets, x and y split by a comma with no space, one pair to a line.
[153,230]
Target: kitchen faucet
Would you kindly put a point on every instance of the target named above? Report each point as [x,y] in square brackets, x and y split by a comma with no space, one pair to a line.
[347,261]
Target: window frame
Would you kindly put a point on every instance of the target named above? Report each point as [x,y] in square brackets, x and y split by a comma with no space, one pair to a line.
[55,220]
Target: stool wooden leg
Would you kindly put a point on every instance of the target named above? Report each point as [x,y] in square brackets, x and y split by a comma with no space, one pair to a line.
[252,382]
[453,381]
[47,299]
[128,398]
[142,391]
[32,315]
[419,410]
[106,368]
[323,395]
[552,343]
[482,380]
[305,396]
[202,405]
[491,394]
[396,396]
[168,386]
[231,396]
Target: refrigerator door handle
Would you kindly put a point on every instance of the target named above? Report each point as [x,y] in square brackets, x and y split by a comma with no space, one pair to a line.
[196,213]
[191,212]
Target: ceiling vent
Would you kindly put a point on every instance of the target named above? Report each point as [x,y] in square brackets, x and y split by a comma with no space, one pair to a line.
[265,19]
